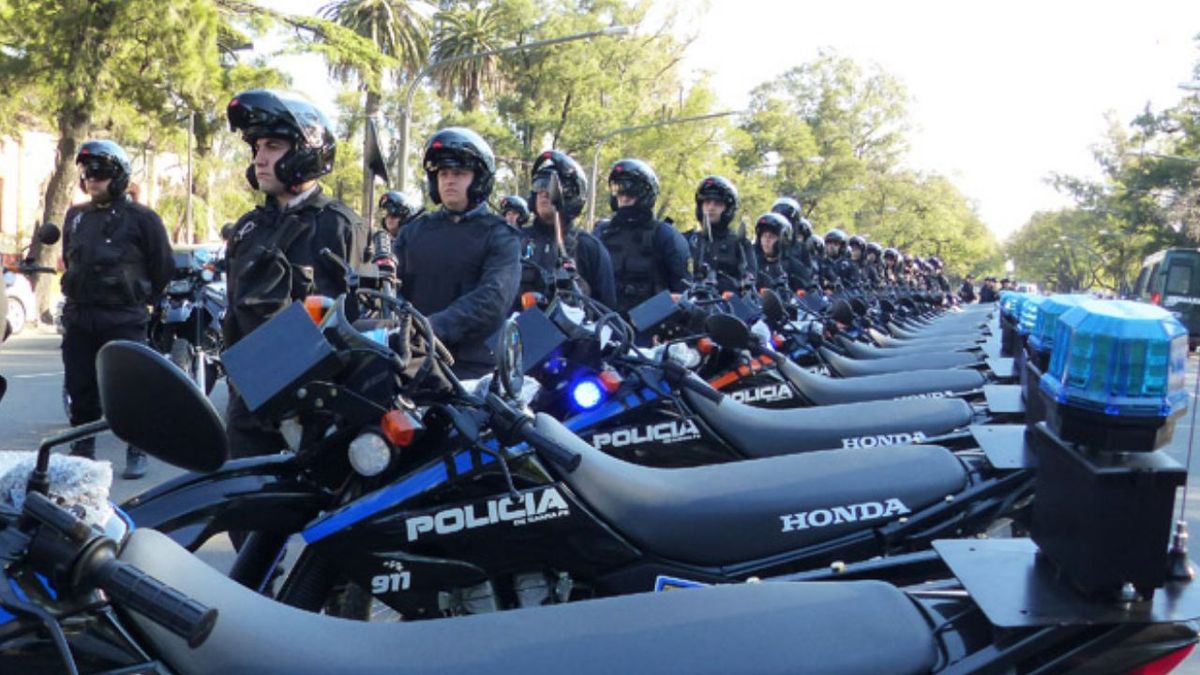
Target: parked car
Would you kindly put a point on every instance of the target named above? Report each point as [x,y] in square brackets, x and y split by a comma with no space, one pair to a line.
[1171,279]
[21,302]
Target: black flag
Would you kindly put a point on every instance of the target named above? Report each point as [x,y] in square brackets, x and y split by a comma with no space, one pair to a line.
[373,156]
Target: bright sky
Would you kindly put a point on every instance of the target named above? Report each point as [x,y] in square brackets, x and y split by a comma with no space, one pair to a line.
[1003,93]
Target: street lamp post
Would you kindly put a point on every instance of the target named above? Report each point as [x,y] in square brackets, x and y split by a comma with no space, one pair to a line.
[638,127]
[406,111]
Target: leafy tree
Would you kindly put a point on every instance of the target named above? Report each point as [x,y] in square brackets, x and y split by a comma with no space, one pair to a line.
[70,56]
[458,32]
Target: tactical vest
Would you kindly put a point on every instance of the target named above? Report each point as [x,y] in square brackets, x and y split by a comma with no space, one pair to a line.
[723,255]
[106,267]
[636,269]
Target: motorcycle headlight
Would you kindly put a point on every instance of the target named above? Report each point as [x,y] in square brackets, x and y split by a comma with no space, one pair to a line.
[370,454]
[206,274]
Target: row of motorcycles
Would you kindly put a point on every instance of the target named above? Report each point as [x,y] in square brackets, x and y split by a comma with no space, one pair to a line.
[864,483]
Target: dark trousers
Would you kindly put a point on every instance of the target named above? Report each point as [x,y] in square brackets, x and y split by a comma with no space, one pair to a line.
[247,435]
[85,331]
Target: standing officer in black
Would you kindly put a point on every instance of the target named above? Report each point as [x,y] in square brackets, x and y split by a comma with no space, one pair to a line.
[804,267]
[648,256]
[118,258]
[461,264]
[291,145]
[720,250]
[539,242]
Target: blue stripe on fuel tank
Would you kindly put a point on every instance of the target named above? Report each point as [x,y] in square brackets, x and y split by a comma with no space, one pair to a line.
[377,501]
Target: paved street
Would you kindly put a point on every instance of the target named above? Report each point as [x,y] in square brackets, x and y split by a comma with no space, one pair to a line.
[32,409]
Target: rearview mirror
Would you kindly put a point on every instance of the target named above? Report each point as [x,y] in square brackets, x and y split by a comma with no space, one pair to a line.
[773,309]
[49,234]
[510,361]
[728,331]
[153,406]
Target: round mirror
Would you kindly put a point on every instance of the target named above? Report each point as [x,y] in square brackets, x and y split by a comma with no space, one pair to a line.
[773,308]
[152,405]
[510,360]
[859,306]
[49,234]
[727,330]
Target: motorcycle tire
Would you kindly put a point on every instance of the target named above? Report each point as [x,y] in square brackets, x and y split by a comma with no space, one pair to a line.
[181,355]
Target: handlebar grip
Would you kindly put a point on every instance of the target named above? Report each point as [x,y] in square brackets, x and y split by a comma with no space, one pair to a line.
[565,458]
[157,601]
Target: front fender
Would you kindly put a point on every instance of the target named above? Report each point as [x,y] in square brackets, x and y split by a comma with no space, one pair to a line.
[267,493]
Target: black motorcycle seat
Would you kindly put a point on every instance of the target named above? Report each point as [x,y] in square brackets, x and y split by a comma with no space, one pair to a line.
[845,627]
[859,350]
[888,341]
[944,332]
[821,390]
[764,432]
[722,514]
[845,367]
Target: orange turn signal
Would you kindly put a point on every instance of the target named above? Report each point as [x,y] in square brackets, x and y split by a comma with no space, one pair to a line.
[800,293]
[529,300]
[705,345]
[727,295]
[316,306]
[398,428]
[610,380]
[777,340]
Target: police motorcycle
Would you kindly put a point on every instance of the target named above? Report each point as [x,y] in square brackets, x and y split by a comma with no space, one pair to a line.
[83,591]
[185,324]
[363,456]
[636,404]
[163,610]
[1003,602]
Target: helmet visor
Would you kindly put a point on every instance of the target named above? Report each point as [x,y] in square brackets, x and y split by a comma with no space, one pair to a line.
[260,113]
[97,168]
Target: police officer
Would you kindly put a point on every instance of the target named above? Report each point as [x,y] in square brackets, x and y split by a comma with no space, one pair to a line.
[117,259]
[893,270]
[648,256]
[397,209]
[805,266]
[291,145]
[966,292]
[539,241]
[835,269]
[460,265]
[515,210]
[856,248]
[872,266]
[772,233]
[718,249]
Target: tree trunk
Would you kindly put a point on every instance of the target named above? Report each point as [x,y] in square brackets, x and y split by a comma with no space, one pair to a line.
[72,126]
[368,196]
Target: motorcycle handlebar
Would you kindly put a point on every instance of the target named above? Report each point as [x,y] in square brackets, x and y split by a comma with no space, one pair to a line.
[565,458]
[162,604]
[95,564]
[509,423]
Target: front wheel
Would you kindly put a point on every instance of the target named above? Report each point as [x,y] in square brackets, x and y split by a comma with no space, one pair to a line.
[181,355]
[16,316]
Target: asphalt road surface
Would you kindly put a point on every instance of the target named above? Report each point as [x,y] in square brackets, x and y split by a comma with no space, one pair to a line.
[33,409]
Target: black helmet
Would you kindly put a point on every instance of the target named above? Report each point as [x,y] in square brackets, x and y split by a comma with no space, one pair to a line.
[104,159]
[876,249]
[398,204]
[570,177]
[773,222]
[635,178]
[264,113]
[460,147]
[859,242]
[788,208]
[935,262]
[518,204]
[804,228]
[836,236]
[817,245]
[719,188]
[891,253]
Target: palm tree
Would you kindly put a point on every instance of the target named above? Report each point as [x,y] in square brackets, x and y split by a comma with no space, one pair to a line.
[460,31]
[399,32]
